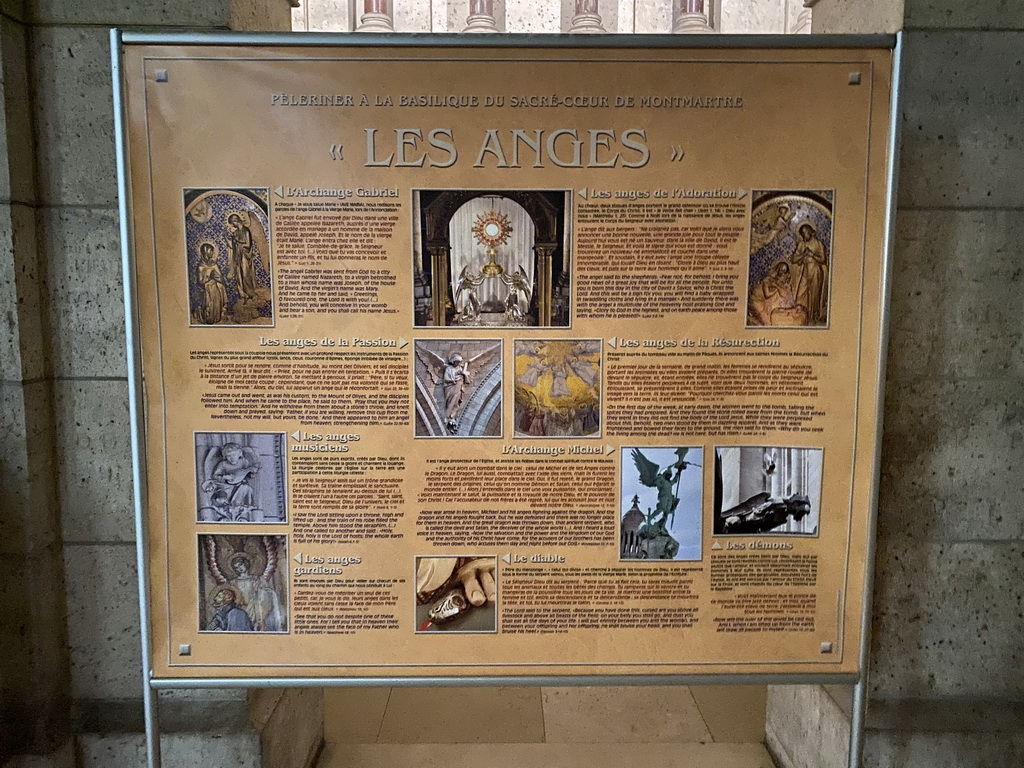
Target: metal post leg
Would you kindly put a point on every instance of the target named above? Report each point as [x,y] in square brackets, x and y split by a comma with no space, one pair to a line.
[150,707]
[134,365]
[860,704]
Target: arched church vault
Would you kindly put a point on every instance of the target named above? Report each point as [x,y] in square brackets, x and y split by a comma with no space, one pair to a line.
[543,288]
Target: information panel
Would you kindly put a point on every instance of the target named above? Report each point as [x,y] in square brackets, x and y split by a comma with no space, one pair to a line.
[465,361]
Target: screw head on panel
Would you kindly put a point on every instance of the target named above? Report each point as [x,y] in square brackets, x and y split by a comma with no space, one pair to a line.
[184,649]
[826,647]
[160,75]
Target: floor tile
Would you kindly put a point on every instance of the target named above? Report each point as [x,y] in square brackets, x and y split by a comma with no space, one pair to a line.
[733,713]
[621,715]
[544,755]
[463,715]
[354,715]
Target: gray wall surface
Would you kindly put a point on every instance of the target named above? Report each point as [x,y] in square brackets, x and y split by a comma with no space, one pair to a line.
[947,640]
[70,674]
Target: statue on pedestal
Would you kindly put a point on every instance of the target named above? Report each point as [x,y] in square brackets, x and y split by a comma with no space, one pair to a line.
[655,541]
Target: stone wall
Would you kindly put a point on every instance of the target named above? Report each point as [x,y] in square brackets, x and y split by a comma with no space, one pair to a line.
[857,16]
[70,675]
[34,668]
[947,647]
[947,644]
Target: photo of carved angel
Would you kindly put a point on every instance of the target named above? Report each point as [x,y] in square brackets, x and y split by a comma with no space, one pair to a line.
[458,387]
[243,584]
[227,256]
[558,388]
[240,477]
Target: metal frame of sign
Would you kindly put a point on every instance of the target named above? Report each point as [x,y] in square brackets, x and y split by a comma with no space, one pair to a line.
[151,684]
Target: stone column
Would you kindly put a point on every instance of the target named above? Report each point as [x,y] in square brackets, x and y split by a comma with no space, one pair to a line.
[945,682]
[586,19]
[376,17]
[690,18]
[481,17]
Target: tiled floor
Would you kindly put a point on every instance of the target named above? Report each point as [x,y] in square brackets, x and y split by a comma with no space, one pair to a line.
[709,726]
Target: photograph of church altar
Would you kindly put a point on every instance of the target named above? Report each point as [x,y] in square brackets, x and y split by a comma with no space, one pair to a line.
[661,492]
[227,247]
[767,490]
[457,594]
[240,477]
[558,388]
[458,387]
[790,259]
[243,584]
[491,258]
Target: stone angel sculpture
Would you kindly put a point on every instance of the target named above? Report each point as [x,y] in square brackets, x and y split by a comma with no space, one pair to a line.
[457,378]
[657,542]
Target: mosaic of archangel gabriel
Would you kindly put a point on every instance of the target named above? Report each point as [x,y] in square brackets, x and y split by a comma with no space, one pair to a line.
[227,241]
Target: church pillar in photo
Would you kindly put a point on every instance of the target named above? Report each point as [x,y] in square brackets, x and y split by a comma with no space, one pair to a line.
[544,261]
[439,255]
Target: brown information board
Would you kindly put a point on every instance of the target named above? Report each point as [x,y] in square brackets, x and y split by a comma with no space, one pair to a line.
[465,361]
